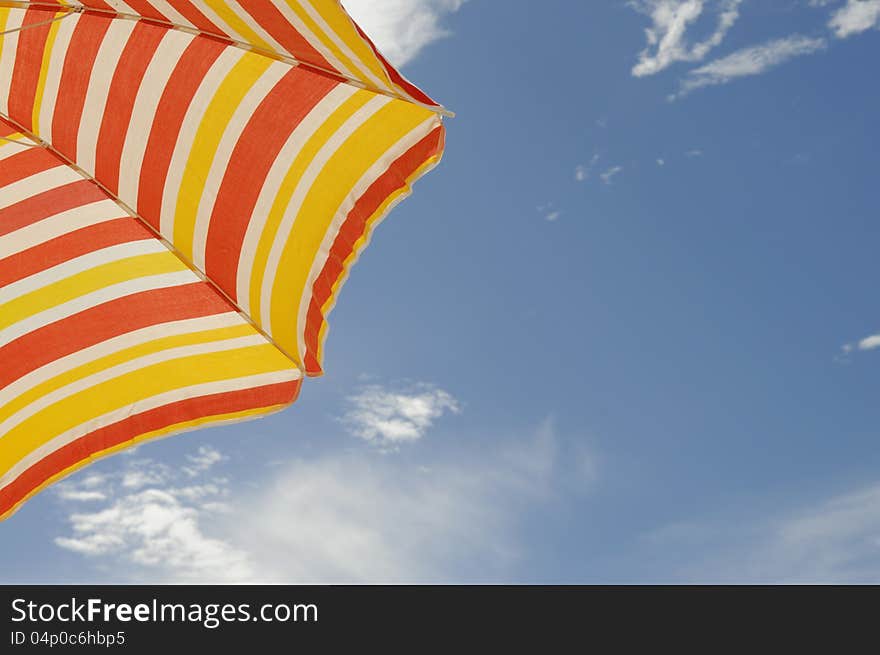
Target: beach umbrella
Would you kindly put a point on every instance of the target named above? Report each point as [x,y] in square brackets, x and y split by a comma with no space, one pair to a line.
[184,186]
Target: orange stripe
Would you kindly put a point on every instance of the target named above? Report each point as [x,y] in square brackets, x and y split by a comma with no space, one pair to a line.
[356,225]
[6,129]
[266,14]
[81,54]
[60,199]
[194,64]
[24,164]
[28,63]
[118,434]
[70,246]
[106,321]
[189,11]
[137,55]
[282,110]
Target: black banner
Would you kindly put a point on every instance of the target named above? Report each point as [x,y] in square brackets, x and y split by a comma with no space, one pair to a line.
[144,618]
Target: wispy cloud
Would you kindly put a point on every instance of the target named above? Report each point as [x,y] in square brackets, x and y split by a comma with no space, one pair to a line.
[582,172]
[830,540]
[670,22]
[402,28]
[749,61]
[340,517]
[205,458]
[855,17]
[149,521]
[549,212]
[608,176]
[387,418]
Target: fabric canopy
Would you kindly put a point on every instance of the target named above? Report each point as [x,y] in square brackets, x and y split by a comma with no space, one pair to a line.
[184,187]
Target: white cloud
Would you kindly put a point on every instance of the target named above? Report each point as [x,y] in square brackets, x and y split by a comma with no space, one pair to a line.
[667,36]
[204,459]
[868,343]
[608,176]
[749,61]
[343,517]
[549,212]
[832,540]
[402,28]
[582,172]
[143,473]
[80,495]
[148,524]
[661,162]
[388,418]
[855,17]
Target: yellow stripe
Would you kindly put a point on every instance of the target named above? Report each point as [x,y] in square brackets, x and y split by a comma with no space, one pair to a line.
[134,387]
[330,126]
[349,164]
[17,137]
[226,100]
[362,243]
[342,25]
[354,67]
[4,18]
[86,282]
[44,72]
[121,357]
[148,436]
[234,20]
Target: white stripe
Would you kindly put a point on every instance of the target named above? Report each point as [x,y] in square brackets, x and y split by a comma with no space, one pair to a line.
[215,18]
[106,60]
[223,156]
[269,192]
[120,7]
[112,346]
[167,398]
[183,148]
[304,186]
[7,56]
[57,225]
[60,49]
[120,370]
[293,18]
[143,115]
[343,46]
[170,13]
[93,299]
[372,174]
[37,184]
[10,148]
[78,265]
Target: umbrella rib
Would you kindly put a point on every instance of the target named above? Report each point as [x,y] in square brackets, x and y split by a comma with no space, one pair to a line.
[41,23]
[21,143]
[40,143]
[240,44]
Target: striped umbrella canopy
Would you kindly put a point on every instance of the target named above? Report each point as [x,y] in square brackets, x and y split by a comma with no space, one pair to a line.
[184,186]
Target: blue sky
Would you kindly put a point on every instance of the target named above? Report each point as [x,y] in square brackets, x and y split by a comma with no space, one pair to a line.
[622,334]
